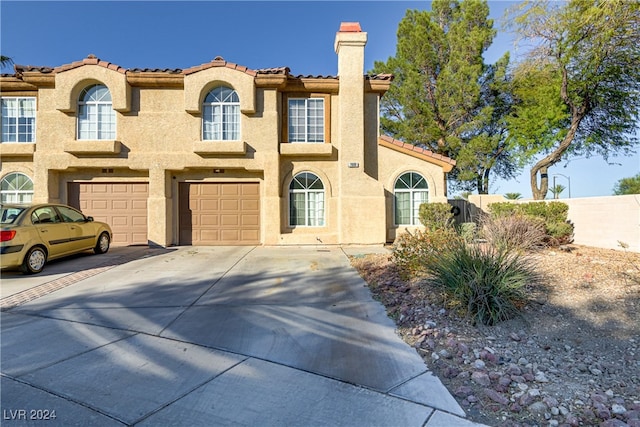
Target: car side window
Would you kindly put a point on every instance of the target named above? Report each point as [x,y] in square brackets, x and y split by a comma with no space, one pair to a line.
[70,215]
[45,215]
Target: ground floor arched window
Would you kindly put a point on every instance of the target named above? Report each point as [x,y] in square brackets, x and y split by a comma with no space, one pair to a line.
[16,187]
[410,191]
[306,201]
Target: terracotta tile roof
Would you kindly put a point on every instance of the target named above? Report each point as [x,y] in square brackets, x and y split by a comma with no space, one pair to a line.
[90,60]
[216,62]
[416,151]
[379,77]
[219,61]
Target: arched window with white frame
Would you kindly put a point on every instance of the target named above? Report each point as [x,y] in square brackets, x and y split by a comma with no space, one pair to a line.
[306,201]
[221,115]
[16,187]
[96,117]
[410,191]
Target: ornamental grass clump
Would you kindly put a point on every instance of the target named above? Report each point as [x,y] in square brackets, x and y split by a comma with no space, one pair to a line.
[514,232]
[487,284]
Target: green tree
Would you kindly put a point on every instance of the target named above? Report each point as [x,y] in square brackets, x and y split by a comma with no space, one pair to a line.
[627,186]
[512,196]
[444,98]
[578,90]
[5,61]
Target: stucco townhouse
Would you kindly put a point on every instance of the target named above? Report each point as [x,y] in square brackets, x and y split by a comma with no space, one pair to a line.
[216,154]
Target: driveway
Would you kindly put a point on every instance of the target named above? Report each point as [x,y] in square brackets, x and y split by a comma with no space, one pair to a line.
[194,336]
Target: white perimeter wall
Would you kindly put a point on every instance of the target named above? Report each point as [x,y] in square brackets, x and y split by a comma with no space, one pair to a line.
[601,222]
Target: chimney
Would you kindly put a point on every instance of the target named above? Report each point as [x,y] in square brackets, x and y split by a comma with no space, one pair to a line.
[349,46]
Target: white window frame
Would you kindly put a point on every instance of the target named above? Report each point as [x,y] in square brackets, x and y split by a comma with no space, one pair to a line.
[18,121]
[304,126]
[416,196]
[224,123]
[96,117]
[21,194]
[313,200]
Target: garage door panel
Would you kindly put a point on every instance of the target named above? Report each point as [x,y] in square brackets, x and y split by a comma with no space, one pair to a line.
[219,213]
[209,205]
[211,220]
[121,205]
[229,205]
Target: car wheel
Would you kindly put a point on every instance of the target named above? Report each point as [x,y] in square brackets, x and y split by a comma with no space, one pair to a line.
[103,243]
[34,261]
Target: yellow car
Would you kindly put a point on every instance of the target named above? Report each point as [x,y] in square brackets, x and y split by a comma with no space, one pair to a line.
[32,235]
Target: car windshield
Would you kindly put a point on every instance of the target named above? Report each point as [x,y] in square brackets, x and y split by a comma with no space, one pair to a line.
[9,214]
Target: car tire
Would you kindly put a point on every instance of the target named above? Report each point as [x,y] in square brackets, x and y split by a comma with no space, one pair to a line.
[34,261]
[102,246]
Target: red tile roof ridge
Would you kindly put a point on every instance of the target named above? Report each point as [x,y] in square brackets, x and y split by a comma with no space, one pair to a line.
[416,149]
[219,61]
[91,59]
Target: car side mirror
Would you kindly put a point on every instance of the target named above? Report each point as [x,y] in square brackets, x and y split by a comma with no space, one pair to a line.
[89,219]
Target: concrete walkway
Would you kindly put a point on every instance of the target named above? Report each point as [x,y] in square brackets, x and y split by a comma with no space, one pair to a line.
[209,336]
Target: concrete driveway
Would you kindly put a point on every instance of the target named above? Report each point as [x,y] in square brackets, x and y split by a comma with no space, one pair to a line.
[243,336]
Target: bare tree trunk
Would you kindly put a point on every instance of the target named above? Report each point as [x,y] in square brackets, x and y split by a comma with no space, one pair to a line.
[543,165]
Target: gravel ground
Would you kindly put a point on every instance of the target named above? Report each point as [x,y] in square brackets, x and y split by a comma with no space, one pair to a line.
[571,359]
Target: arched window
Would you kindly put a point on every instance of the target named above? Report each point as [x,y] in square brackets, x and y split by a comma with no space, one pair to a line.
[96,117]
[221,115]
[410,191]
[16,188]
[306,201]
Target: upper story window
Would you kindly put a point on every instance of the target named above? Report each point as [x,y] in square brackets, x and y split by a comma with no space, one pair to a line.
[410,191]
[96,117]
[19,119]
[306,120]
[306,200]
[16,187]
[221,115]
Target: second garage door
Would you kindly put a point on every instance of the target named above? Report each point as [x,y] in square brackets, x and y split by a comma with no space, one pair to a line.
[219,213]
[121,205]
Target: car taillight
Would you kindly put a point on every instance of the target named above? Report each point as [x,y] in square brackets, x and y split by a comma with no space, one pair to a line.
[6,235]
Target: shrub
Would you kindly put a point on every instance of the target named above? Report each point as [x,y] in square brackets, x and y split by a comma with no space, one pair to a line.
[436,216]
[413,253]
[487,284]
[553,214]
[514,232]
[468,231]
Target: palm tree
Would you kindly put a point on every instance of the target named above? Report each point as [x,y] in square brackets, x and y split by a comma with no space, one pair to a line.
[5,61]
[556,190]
[512,196]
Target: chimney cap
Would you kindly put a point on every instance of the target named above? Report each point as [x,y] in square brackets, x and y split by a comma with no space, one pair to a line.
[350,27]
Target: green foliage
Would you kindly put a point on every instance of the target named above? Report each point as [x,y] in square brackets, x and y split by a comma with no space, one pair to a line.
[444,96]
[468,231]
[554,215]
[486,284]
[436,216]
[577,92]
[414,252]
[627,186]
[512,196]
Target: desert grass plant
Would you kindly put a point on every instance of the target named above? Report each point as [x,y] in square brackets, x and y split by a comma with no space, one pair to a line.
[487,284]
[514,232]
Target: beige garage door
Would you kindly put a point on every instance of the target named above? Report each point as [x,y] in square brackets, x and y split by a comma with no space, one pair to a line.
[121,205]
[219,213]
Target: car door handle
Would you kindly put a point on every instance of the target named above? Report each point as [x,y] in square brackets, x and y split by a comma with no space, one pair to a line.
[43,230]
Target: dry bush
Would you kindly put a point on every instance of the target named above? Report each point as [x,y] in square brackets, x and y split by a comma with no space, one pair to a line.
[514,232]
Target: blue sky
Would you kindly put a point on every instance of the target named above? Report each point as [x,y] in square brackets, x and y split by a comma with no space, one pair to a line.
[263,34]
